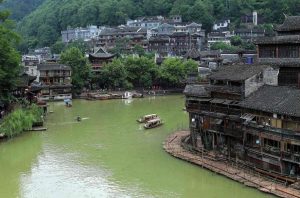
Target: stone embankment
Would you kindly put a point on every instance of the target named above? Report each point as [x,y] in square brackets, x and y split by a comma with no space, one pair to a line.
[173,145]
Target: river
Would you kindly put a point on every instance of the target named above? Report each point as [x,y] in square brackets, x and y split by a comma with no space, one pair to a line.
[108,154]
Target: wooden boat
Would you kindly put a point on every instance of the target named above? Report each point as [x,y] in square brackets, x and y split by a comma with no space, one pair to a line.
[127,95]
[153,123]
[137,95]
[102,96]
[146,118]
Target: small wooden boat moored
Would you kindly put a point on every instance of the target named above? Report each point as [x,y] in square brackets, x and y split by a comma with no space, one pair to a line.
[153,123]
[146,118]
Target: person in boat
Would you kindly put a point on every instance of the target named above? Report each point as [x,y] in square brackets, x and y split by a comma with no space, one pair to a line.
[78,118]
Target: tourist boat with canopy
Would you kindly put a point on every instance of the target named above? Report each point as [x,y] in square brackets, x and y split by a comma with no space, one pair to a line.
[146,118]
[153,123]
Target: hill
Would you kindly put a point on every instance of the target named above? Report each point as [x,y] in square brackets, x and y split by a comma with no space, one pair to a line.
[42,27]
[20,8]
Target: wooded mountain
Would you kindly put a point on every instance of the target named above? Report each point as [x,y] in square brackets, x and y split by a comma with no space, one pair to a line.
[42,27]
[20,8]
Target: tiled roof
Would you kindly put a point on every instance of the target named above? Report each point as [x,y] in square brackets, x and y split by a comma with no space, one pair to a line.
[101,53]
[193,53]
[237,72]
[295,39]
[291,23]
[52,66]
[196,90]
[275,99]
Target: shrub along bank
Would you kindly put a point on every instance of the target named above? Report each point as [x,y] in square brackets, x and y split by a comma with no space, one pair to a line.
[20,120]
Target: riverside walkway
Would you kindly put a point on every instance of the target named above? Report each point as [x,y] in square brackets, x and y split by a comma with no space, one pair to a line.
[173,145]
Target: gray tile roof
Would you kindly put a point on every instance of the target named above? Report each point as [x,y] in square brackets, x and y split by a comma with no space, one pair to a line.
[101,53]
[280,62]
[193,53]
[291,23]
[237,72]
[275,99]
[197,90]
[295,39]
[52,66]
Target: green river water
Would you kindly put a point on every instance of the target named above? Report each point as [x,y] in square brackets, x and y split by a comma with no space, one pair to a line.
[108,154]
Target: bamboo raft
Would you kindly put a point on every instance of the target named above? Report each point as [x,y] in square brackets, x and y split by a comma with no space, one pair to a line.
[173,146]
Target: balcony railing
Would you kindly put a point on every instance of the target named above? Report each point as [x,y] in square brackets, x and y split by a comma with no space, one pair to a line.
[55,75]
[284,133]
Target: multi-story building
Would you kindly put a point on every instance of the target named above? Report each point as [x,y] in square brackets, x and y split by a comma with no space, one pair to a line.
[130,36]
[176,44]
[55,80]
[243,115]
[250,114]
[218,37]
[250,34]
[283,51]
[30,62]
[99,58]
[153,22]
[80,33]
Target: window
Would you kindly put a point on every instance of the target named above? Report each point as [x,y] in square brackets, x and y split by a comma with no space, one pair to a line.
[267,52]
[288,51]
[271,143]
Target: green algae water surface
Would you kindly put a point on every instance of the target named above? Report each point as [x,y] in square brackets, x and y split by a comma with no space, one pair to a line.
[107,154]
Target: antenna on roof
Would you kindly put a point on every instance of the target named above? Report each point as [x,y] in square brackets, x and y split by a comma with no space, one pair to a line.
[285,15]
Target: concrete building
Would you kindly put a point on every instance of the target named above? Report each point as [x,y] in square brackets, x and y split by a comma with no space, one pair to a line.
[79,33]
[221,24]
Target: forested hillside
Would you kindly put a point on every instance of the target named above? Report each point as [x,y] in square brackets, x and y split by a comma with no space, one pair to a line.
[43,26]
[20,8]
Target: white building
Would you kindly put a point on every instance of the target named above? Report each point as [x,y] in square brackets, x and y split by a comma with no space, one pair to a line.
[80,33]
[221,24]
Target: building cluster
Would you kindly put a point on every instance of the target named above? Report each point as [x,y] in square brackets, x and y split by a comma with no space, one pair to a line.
[53,80]
[248,31]
[250,113]
[164,36]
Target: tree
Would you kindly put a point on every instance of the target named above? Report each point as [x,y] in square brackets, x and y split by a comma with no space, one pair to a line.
[115,75]
[79,44]
[223,46]
[139,50]
[81,69]
[142,71]
[236,41]
[172,72]
[58,47]
[190,66]
[9,59]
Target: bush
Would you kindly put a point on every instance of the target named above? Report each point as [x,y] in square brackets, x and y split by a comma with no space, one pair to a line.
[20,119]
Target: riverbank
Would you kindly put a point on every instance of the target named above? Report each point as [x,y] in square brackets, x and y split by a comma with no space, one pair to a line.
[174,146]
[22,119]
[106,95]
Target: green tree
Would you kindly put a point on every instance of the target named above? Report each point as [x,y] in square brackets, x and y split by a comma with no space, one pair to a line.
[79,44]
[115,75]
[9,59]
[139,50]
[142,71]
[223,46]
[172,72]
[190,66]
[58,47]
[236,41]
[81,69]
